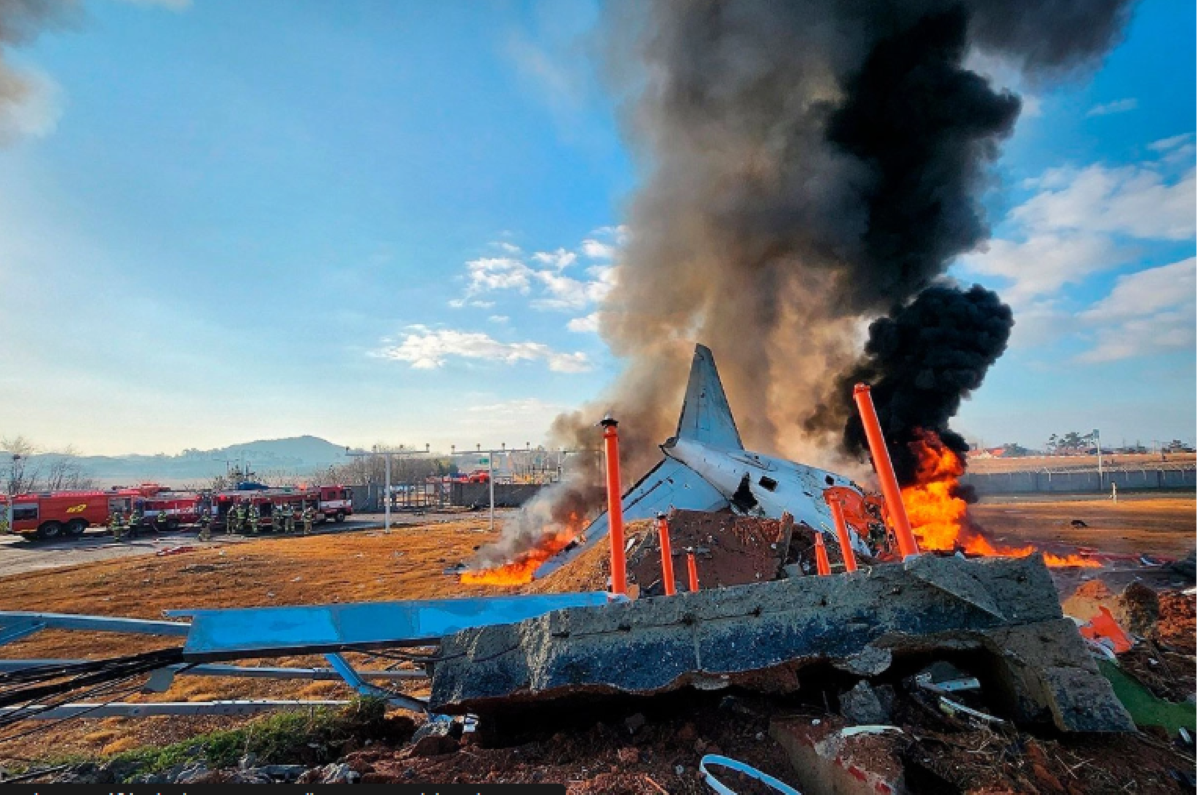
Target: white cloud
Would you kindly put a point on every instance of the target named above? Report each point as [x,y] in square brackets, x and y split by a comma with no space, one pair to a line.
[563,292]
[1147,312]
[597,250]
[588,324]
[498,318]
[1043,263]
[560,258]
[1139,201]
[428,349]
[1082,221]
[1116,106]
[1177,148]
[542,275]
[507,247]
[497,273]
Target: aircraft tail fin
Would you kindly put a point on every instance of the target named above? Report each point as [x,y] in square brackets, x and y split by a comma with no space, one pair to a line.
[706,416]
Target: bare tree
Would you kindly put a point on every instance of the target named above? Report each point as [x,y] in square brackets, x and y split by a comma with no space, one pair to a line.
[64,472]
[23,471]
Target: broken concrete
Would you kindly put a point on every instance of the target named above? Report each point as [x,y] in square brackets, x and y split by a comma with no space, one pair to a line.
[761,636]
[860,705]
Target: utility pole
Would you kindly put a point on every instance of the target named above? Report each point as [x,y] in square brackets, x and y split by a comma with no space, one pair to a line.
[1099,457]
[8,488]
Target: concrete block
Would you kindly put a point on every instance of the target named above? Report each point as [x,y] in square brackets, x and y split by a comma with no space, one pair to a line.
[761,636]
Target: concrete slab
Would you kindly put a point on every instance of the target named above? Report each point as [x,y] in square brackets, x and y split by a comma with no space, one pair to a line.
[762,636]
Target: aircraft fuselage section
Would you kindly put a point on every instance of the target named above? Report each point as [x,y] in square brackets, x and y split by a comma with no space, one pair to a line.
[760,485]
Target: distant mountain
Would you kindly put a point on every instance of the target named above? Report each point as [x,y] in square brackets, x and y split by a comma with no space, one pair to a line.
[268,458]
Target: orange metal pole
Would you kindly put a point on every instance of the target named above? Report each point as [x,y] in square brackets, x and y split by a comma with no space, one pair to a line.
[664,545]
[616,522]
[843,534]
[693,578]
[822,556]
[887,475]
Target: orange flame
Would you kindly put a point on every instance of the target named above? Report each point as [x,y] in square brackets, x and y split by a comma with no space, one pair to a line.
[519,571]
[939,517]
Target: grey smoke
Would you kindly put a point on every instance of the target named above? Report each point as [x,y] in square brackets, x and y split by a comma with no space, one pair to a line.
[806,167]
[27,104]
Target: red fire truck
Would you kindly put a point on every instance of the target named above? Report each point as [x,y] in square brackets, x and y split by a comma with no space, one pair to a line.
[53,514]
[330,502]
[179,507]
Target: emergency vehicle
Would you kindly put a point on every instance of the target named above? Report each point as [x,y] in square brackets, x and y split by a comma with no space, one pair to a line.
[52,514]
[180,508]
[330,502]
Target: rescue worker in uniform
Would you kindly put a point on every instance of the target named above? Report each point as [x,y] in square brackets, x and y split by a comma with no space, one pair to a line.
[252,517]
[160,521]
[116,525]
[234,521]
[135,521]
[277,518]
[205,522]
[289,519]
[307,518]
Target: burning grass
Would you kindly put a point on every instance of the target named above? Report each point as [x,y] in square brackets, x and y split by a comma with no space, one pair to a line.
[939,513]
[519,571]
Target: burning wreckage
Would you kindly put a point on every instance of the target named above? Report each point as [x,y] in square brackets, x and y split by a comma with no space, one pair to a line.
[773,628]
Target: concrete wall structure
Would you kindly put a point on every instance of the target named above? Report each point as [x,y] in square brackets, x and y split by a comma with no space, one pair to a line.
[1080,481]
[508,495]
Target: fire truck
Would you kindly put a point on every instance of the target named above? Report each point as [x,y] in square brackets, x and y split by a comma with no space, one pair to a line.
[330,502]
[179,507]
[67,513]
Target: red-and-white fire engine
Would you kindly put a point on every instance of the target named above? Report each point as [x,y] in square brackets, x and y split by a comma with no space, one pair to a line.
[53,514]
[50,514]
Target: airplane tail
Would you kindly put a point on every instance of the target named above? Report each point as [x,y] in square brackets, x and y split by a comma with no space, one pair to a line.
[706,416]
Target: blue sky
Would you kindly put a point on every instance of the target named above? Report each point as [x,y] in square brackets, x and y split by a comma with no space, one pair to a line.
[379,221]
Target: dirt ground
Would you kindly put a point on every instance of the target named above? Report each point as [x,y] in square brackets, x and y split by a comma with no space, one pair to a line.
[1134,525]
[407,563]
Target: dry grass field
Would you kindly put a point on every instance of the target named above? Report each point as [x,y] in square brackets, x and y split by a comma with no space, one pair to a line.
[406,563]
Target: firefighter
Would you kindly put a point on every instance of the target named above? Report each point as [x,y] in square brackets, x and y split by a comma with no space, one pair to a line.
[135,521]
[252,517]
[160,521]
[116,525]
[307,518]
[233,520]
[289,519]
[205,522]
[276,518]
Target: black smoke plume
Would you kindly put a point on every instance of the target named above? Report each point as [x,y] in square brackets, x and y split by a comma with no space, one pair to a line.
[806,167]
[922,360]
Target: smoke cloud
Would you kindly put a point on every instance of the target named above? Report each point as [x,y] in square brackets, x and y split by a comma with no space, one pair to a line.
[808,167]
[28,98]
[922,360]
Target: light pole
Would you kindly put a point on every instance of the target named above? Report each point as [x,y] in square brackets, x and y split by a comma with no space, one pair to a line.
[387,474]
[1099,457]
[9,490]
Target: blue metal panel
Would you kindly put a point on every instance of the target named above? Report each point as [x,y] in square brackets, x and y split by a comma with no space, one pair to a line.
[265,631]
[23,629]
[136,626]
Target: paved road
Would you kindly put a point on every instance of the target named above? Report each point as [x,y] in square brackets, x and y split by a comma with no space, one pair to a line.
[18,555]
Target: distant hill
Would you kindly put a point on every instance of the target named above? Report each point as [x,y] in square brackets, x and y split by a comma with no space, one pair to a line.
[268,458]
